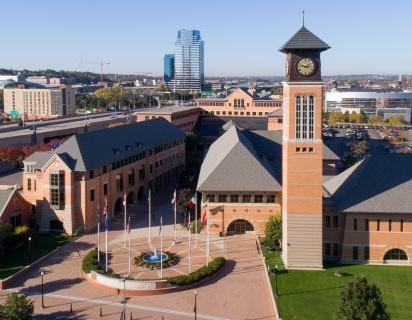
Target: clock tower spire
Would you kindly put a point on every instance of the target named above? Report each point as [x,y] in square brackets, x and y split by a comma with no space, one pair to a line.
[302,152]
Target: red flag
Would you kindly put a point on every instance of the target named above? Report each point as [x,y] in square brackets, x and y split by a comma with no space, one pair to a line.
[204,217]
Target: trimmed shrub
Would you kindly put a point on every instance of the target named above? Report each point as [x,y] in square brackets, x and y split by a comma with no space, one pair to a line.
[17,307]
[215,265]
[21,229]
[194,224]
[90,263]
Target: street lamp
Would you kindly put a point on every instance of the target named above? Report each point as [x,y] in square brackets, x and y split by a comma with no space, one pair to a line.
[29,248]
[276,280]
[195,308]
[42,289]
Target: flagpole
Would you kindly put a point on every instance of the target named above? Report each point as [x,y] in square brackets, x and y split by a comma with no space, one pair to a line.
[150,214]
[98,234]
[175,207]
[125,214]
[196,219]
[208,237]
[161,248]
[107,255]
[190,249]
[130,250]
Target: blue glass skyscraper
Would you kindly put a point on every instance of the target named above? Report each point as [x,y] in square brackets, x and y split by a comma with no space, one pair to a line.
[188,61]
[169,67]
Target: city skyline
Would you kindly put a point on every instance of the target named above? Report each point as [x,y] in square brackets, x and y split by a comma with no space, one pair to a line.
[134,41]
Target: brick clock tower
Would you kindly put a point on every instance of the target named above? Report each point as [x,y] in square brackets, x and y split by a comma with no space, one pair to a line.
[302,152]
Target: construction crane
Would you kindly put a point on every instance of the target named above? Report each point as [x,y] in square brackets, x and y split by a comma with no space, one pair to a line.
[101,63]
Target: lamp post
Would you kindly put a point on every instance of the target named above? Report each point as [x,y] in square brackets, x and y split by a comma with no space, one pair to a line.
[29,248]
[42,289]
[195,308]
[276,280]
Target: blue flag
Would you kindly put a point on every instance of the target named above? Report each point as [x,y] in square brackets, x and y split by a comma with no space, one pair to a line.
[106,221]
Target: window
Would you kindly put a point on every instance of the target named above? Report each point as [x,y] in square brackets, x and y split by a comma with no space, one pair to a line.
[271,198]
[119,183]
[151,169]
[335,221]
[130,177]
[366,253]
[305,117]
[29,184]
[57,190]
[335,249]
[327,249]
[378,225]
[390,225]
[104,169]
[401,226]
[92,195]
[258,198]
[246,198]
[327,221]
[105,189]
[91,174]
[211,197]
[234,198]
[355,224]
[366,224]
[355,253]
[222,198]
[395,254]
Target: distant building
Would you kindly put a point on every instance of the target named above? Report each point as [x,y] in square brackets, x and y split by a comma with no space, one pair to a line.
[239,103]
[71,183]
[188,61]
[6,79]
[38,101]
[169,67]
[183,117]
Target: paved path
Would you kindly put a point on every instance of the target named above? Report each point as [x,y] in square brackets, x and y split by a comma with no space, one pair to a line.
[241,293]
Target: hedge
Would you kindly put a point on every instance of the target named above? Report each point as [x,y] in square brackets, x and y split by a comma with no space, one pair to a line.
[215,265]
[90,262]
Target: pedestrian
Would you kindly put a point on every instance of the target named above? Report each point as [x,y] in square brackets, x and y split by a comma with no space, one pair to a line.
[78,252]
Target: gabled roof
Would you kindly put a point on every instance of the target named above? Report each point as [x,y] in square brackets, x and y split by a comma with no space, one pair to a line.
[378,184]
[304,39]
[232,164]
[5,196]
[87,151]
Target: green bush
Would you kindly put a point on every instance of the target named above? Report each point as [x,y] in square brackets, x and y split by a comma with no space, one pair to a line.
[205,271]
[21,229]
[193,225]
[17,307]
[90,262]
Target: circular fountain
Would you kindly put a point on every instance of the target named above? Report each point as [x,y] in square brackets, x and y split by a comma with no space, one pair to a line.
[155,259]
[154,256]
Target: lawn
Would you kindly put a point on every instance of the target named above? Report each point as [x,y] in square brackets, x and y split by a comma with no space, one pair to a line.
[18,258]
[315,294]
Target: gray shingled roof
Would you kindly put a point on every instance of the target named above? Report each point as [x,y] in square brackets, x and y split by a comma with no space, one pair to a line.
[304,39]
[378,184]
[232,164]
[245,160]
[86,151]
[5,196]
[276,113]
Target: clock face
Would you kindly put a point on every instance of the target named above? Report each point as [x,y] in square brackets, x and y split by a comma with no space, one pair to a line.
[306,66]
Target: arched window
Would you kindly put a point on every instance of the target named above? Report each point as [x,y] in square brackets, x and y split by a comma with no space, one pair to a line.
[395,254]
[305,105]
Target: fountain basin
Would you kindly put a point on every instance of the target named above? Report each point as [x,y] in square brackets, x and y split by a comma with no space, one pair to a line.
[155,257]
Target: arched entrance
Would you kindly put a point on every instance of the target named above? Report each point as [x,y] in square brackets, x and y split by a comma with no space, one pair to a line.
[131,198]
[395,256]
[239,226]
[118,206]
[141,194]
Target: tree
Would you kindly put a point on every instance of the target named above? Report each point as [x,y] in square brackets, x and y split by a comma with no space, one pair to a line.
[183,206]
[17,307]
[395,121]
[196,224]
[361,301]
[273,232]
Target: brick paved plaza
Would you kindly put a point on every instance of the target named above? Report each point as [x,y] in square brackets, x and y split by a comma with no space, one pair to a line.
[241,292]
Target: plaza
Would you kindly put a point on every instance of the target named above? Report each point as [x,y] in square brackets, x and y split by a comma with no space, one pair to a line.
[241,291]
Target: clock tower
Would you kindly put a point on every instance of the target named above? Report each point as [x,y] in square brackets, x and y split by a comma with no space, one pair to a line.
[302,152]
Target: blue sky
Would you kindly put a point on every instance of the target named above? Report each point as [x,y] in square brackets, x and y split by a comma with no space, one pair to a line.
[241,37]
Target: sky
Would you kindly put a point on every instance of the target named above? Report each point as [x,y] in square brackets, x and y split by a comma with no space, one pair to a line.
[242,37]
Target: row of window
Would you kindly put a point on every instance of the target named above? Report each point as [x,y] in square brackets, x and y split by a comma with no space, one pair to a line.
[378,225]
[185,114]
[331,249]
[245,198]
[236,113]
[239,103]
[304,149]
[186,124]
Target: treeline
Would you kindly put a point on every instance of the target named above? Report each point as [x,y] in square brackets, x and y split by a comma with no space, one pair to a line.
[346,117]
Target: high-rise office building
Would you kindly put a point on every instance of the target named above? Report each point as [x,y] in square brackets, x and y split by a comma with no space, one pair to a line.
[169,67]
[188,61]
